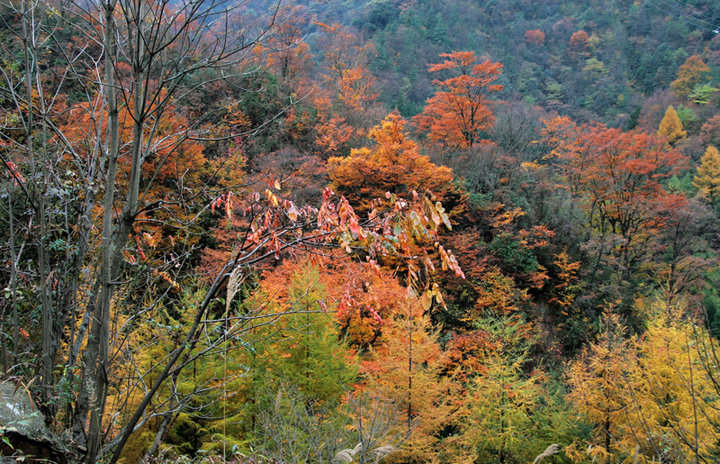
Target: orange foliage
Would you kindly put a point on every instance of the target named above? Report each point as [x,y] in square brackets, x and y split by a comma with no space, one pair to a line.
[171,163]
[348,90]
[332,136]
[710,131]
[536,237]
[356,88]
[466,353]
[345,58]
[535,36]
[564,291]
[286,54]
[365,295]
[268,225]
[498,293]
[393,165]
[407,369]
[618,175]
[460,110]
[170,157]
[692,72]
[579,40]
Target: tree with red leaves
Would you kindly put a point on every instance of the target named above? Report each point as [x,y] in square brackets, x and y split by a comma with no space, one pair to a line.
[617,176]
[460,109]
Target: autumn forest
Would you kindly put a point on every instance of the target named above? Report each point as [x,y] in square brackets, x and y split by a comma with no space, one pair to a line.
[347,231]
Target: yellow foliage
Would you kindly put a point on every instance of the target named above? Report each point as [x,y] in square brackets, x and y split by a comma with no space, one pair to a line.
[707,179]
[394,164]
[650,399]
[601,382]
[407,369]
[692,72]
[671,127]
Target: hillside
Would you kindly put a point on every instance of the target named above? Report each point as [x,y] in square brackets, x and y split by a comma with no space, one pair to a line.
[360,232]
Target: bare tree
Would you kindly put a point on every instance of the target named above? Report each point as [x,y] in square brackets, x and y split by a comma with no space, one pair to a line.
[85,112]
[139,56]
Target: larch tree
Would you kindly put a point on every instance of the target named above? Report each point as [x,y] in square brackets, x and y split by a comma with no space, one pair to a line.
[308,354]
[707,178]
[296,351]
[406,368]
[649,398]
[504,402]
[671,127]
[88,202]
[680,409]
[602,381]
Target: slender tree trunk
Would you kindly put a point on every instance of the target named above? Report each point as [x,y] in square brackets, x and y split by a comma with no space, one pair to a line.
[13,289]
[40,179]
[607,433]
[167,419]
[410,361]
[501,456]
[95,380]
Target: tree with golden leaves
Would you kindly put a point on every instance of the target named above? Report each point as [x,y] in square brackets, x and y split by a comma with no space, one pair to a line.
[406,368]
[680,409]
[650,399]
[602,381]
[393,165]
[691,73]
[671,127]
[707,179]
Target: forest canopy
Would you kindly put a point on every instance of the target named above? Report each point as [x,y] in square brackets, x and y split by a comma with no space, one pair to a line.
[360,232]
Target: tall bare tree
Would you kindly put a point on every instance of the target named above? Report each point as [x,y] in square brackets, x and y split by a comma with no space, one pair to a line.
[141,57]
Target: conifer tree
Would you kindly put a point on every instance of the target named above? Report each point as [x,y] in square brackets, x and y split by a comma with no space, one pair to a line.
[311,357]
[295,347]
[680,408]
[707,179]
[504,418]
[650,399]
[407,370]
[671,127]
[602,381]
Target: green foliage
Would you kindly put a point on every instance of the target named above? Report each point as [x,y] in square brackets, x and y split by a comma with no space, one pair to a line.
[298,430]
[513,254]
[711,303]
[682,184]
[633,49]
[274,381]
[513,413]
[309,355]
[687,116]
[298,352]
[702,94]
